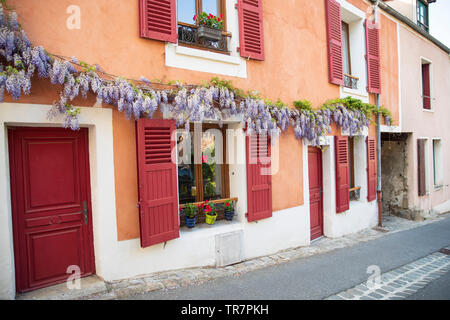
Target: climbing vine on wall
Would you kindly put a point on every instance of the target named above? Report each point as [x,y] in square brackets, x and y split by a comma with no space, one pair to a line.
[213,100]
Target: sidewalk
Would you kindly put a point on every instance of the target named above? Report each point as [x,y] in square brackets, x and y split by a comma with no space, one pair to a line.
[94,288]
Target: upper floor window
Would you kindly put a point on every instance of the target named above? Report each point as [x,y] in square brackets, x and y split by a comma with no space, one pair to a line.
[189,32]
[422,15]
[426,86]
[350,81]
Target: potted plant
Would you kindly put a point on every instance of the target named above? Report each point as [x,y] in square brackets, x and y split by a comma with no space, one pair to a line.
[209,26]
[210,211]
[229,210]
[190,215]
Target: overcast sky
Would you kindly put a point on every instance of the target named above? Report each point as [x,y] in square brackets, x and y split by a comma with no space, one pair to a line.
[440,21]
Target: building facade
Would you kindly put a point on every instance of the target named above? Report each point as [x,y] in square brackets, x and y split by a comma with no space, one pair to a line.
[415,173]
[105,199]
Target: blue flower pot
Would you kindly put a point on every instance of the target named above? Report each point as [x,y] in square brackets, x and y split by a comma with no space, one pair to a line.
[190,223]
[229,215]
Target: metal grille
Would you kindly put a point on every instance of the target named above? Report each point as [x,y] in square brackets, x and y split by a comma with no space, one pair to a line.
[188,34]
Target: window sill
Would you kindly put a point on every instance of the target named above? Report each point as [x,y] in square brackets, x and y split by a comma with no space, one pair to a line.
[356,92]
[195,59]
[202,230]
[200,53]
[438,187]
[428,110]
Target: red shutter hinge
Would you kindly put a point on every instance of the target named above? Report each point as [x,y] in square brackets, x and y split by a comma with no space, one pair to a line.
[238,49]
[236,6]
[246,214]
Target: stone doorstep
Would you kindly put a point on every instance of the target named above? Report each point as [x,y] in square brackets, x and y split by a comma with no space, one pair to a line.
[94,287]
[91,285]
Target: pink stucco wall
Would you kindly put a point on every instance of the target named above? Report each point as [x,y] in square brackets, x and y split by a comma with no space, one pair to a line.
[423,123]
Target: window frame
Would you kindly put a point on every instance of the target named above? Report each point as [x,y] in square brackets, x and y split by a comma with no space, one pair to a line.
[353,189]
[198,167]
[426,23]
[437,162]
[351,162]
[422,78]
[347,27]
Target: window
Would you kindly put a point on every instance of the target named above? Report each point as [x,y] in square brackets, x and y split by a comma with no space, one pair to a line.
[348,30]
[422,15]
[426,86]
[437,162]
[202,174]
[188,30]
[353,189]
[346,48]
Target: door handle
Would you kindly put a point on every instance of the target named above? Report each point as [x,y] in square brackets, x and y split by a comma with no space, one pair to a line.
[85,212]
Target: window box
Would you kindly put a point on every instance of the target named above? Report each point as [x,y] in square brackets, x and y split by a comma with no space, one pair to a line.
[189,35]
[208,33]
[201,217]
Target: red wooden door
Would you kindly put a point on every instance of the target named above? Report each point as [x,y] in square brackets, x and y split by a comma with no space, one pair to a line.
[315,192]
[51,205]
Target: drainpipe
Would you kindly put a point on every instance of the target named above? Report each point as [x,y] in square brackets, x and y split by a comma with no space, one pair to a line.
[380,207]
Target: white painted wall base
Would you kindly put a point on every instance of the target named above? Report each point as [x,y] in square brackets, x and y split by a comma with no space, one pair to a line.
[197,247]
[442,208]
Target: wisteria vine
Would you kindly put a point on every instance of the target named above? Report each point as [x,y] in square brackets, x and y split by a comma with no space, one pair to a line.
[215,100]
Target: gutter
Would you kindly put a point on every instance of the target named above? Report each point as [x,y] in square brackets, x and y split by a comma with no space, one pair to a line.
[411,24]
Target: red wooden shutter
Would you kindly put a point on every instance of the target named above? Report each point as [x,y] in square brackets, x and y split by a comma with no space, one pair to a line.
[371,169]
[421,166]
[251,35]
[158,20]
[158,190]
[259,178]
[334,39]
[373,57]
[342,183]
[426,86]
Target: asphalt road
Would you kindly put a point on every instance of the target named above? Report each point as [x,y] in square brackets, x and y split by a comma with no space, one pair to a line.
[323,275]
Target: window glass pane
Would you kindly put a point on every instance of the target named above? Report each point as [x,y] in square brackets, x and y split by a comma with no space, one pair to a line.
[211,170]
[345,48]
[186,171]
[186,11]
[211,6]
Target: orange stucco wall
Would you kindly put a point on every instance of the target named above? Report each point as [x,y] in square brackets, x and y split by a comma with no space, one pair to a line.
[295,67]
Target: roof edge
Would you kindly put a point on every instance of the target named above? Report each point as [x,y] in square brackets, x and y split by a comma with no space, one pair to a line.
[411,24]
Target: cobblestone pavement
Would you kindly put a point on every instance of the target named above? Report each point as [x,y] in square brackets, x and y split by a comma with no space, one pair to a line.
[95,288]
[401,282]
